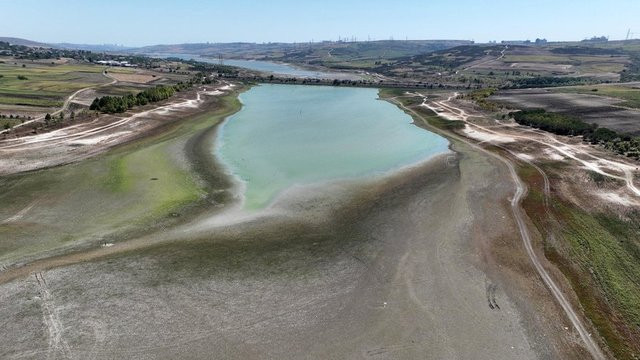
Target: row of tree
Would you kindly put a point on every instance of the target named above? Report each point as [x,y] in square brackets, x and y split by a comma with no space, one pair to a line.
[546,81]
[561,124]
[118,104]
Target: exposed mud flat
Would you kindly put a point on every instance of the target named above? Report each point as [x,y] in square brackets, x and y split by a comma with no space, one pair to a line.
[391,268]
[408,265]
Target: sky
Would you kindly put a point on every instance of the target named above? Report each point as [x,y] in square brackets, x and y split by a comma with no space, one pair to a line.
[142,22]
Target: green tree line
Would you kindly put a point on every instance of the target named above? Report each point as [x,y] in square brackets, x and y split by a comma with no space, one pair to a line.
[547,81]
[561,124]
[118,104]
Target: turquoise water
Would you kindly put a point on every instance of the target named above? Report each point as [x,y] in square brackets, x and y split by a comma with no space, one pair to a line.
[292,134]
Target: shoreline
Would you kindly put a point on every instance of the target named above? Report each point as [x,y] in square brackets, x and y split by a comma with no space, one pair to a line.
[373,257]
[200,170]
[361,254]
[225,212]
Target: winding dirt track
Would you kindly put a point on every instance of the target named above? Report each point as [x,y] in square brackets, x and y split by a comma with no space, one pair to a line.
[521,191]
[80,131]
[488,61]
[568,150]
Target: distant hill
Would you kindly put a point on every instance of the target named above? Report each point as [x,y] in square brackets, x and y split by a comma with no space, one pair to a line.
[23,42]
[67,46]
[383,49]
[328,53]
[92,47]
[208,48]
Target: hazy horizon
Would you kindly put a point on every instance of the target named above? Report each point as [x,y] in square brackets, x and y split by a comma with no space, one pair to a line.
[161,22]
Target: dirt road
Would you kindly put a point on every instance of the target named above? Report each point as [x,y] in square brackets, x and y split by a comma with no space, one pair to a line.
[502,52]
[86,139]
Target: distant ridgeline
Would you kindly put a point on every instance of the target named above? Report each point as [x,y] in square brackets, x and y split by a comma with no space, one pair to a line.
[118,104]
[561,124]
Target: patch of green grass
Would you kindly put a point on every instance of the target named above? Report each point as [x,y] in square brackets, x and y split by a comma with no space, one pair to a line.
[40,102]
[391,92]
[163,186]
[480,97]
[8,123]
[607,249]
[115,179]
[593,305]
[599,255]
[108,196]
[438,122]
[613,266]
[600,179]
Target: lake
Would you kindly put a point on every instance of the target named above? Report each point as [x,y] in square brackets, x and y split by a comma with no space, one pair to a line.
[287,135]
[269,67]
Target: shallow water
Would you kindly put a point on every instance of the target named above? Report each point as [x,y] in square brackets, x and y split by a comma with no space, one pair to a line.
[269,67]
[277,68]
[292,134]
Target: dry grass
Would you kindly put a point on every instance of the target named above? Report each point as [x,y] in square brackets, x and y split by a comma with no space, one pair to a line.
[133,78]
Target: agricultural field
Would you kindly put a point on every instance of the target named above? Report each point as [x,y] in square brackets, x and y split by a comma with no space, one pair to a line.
[31,89]
[24,83]
[519,66]
[65,87]
[608,112]
[628,92]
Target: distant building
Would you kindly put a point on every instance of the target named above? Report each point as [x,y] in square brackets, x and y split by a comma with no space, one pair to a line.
[516,42]
[114,63]
[541,41]
[597,39]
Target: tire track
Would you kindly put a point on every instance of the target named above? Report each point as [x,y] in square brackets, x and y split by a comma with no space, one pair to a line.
[58,346]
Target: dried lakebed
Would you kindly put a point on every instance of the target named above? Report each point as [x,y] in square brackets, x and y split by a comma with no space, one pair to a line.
[386,263]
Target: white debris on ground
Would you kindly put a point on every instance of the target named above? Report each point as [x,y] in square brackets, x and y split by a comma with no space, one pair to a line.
[525,156]
[443,113]
[617,198]
[485,136]
[97,139]
[553,155]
